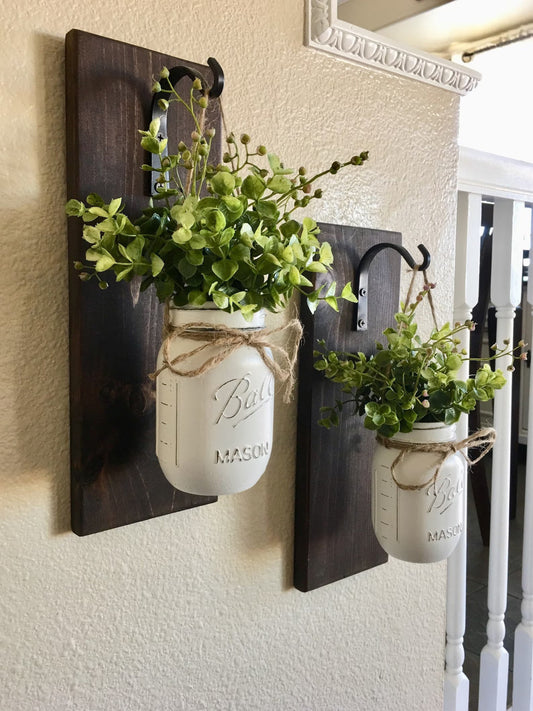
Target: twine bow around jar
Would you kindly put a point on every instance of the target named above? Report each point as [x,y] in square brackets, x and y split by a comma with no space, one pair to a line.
[483,438]
[228,340]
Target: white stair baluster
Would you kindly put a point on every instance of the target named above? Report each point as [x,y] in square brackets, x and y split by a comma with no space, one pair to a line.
[456,684]
[523,641]
[506,285]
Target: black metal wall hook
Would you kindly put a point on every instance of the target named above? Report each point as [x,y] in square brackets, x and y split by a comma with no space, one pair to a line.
[175,75]
[361,308]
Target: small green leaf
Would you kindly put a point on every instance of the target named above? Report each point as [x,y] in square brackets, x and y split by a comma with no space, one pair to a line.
[164,289]
[316,267]
[186,269]
[197,297]
[215,221]
[267,209]
[93,255]
[453,362]
[226,236]
[187,219]
[248,309]
[253,187]
[195,258]
[289,228]
[157,264]
[233,205]
[135,248]
[259,237]
[108,241]
[331,290]
[223,183]
[74,208]
[91,234]
[246,234]
[197,241]
[267,264]
[237,297]
[95,199]
[114,206]
[276,165]
[105,262]
[310,225]
[224,269]
[294,276]
[240,253]
[108,225]
[312,305]
[124,252]
[220,299]
[150,144]
[326,255]
[347,293]
[124,273]
[181,235]
[287,255]
[332,301]
[98,211]
[279,184]
[207,203]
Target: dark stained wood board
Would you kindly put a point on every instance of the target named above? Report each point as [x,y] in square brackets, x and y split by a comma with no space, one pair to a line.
[333,529]
[115,334]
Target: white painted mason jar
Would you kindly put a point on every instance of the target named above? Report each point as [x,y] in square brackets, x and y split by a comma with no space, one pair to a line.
[214,430]
[422,525]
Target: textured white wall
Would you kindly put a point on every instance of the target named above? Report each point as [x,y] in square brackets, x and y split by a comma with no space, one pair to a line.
[196,610]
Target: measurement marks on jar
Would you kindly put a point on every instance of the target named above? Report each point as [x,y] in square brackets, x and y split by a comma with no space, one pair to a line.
[167,424]
[387,505]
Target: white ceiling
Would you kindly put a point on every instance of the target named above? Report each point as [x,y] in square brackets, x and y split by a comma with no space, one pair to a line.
[375,14]
[435,30]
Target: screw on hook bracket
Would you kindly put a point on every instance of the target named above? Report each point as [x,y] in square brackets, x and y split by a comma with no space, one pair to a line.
[360,322]
[174,76]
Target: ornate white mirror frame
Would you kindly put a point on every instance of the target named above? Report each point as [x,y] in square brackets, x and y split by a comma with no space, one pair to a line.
[325,32]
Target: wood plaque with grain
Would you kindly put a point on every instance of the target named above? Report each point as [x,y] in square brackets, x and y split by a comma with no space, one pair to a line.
[115,334]
[333,530]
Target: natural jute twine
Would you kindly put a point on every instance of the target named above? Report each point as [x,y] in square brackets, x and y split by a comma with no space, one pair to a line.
[483,438]
[229,340]
[427,287]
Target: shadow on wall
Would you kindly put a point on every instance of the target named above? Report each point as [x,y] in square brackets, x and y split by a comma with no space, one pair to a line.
[262,518]
[34,293]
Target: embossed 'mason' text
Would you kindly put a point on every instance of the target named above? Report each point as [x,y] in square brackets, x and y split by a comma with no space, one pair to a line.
[445,533]
[243,454]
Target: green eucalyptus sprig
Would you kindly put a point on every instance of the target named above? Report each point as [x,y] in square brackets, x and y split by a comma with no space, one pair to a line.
[409,379]
[223,233]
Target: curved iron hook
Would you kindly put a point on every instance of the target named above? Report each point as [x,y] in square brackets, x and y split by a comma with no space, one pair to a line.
[218,78]
[175,75]
[369,255]
[361,308]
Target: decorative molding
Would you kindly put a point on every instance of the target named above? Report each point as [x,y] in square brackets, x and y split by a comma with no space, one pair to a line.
[325,32]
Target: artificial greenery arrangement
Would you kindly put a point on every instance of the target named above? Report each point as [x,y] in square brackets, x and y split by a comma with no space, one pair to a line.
[411,380]
[224,233]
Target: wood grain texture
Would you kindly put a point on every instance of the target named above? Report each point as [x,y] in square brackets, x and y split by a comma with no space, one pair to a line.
[115,334]
[333,530]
